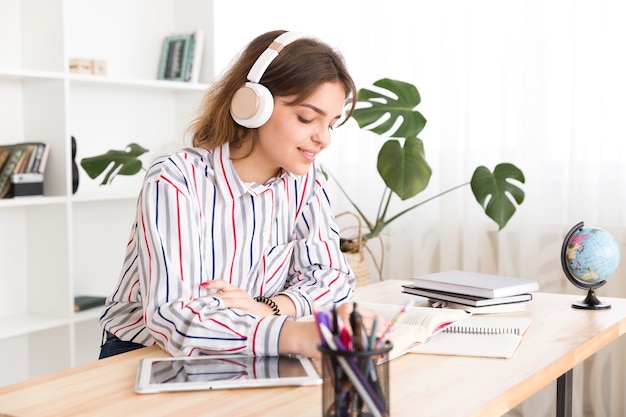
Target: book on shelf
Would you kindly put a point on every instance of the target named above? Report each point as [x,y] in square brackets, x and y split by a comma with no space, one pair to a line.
[43,152]
[465,299]
[26,176]
[22,163]
[85,302]
[4,155]
[418,325]
[189,58]
[197,55]
[476,284]
[16,152]
[176,57]
[480,336]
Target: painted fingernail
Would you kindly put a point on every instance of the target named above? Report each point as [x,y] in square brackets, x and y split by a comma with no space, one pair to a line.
[205,284]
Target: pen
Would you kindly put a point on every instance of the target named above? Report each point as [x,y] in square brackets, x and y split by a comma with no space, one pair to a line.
[372,339]
[371,345]
[353,372]
[356,322]
[397,319]
[335,328]
[323,322]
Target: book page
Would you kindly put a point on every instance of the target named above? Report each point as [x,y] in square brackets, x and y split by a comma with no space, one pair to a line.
[482,336]
[430,318]
[418,325]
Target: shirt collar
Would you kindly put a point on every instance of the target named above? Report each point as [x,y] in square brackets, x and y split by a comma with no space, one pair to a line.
[229,183]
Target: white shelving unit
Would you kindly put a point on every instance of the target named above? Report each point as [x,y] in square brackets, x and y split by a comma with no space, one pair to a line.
[60,245]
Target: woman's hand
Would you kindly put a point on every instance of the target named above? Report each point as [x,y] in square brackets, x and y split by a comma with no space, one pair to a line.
[235,297]
[299,338]
[303,337]
[368,316]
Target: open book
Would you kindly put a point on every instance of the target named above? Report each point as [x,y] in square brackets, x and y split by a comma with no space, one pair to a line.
[418,326]
[484,336]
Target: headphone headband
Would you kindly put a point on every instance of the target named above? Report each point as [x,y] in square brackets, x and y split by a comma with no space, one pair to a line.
[253,104]
[272,51]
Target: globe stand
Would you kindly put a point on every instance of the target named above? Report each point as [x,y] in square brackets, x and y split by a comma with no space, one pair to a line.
[590,302]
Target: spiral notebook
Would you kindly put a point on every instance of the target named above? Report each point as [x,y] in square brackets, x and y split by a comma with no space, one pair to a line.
[482,336]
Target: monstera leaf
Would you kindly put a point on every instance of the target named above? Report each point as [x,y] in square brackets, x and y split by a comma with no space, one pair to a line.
[492,189]
[404,169]
[397,101]
[124,162]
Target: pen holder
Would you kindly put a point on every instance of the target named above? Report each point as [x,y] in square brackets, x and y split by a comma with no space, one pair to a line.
[355,383]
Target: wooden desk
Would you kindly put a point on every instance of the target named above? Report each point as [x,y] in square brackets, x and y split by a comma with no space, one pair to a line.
[559,338]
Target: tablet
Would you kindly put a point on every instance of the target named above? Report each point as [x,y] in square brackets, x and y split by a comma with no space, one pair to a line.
[223,372]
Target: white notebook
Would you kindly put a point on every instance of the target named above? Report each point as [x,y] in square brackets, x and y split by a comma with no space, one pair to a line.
[483,336]
[476,284]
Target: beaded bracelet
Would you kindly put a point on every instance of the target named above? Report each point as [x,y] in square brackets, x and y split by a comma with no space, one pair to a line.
[269,302]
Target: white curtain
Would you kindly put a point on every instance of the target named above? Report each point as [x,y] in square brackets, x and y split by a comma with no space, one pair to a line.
[539,83]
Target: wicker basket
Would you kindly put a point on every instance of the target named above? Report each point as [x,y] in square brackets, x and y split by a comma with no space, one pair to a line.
[354,252]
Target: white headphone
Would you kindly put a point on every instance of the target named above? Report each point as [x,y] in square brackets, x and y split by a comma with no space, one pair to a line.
[253,104]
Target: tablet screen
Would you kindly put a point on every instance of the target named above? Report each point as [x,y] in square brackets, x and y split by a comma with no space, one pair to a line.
[223,371]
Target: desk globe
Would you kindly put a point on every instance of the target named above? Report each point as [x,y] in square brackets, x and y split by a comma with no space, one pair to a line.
[589,256]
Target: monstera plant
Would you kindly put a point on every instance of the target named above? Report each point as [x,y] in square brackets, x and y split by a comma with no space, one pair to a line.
[118,162]
[402,161]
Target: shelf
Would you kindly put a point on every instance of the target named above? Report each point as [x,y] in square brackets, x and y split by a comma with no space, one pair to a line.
[136,83]
[24,324]
[87,315]
[37,200]
[77,79]
[93,196]
[20,75]
[60,244]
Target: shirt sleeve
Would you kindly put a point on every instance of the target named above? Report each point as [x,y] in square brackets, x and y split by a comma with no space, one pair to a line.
[320,274]
[180,316]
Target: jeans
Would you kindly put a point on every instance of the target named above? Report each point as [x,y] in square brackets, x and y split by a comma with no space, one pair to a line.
[114,346]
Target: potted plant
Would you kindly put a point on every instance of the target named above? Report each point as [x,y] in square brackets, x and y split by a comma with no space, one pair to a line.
[403,167]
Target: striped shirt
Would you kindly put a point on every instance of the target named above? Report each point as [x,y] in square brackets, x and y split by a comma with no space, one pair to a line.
[197,221]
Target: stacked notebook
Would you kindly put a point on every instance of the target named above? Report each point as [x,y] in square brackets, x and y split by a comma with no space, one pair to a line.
[473,291]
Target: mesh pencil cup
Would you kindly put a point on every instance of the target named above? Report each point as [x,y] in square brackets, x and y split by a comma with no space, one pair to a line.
[355,382]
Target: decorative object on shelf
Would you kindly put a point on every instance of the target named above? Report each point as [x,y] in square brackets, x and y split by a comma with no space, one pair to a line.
[88,66]
[589,255]
[124,162]
[403,167]
[75,174]
[181,57]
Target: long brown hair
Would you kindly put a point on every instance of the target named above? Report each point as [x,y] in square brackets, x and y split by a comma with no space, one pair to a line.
[298,70]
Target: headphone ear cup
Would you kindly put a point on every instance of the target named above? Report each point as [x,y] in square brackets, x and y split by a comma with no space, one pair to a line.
[252,105]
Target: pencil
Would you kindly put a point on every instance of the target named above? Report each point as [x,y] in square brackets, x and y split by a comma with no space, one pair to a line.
[375,404]
[397,319]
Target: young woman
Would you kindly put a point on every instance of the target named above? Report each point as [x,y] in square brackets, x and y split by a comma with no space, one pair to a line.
[234,238]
